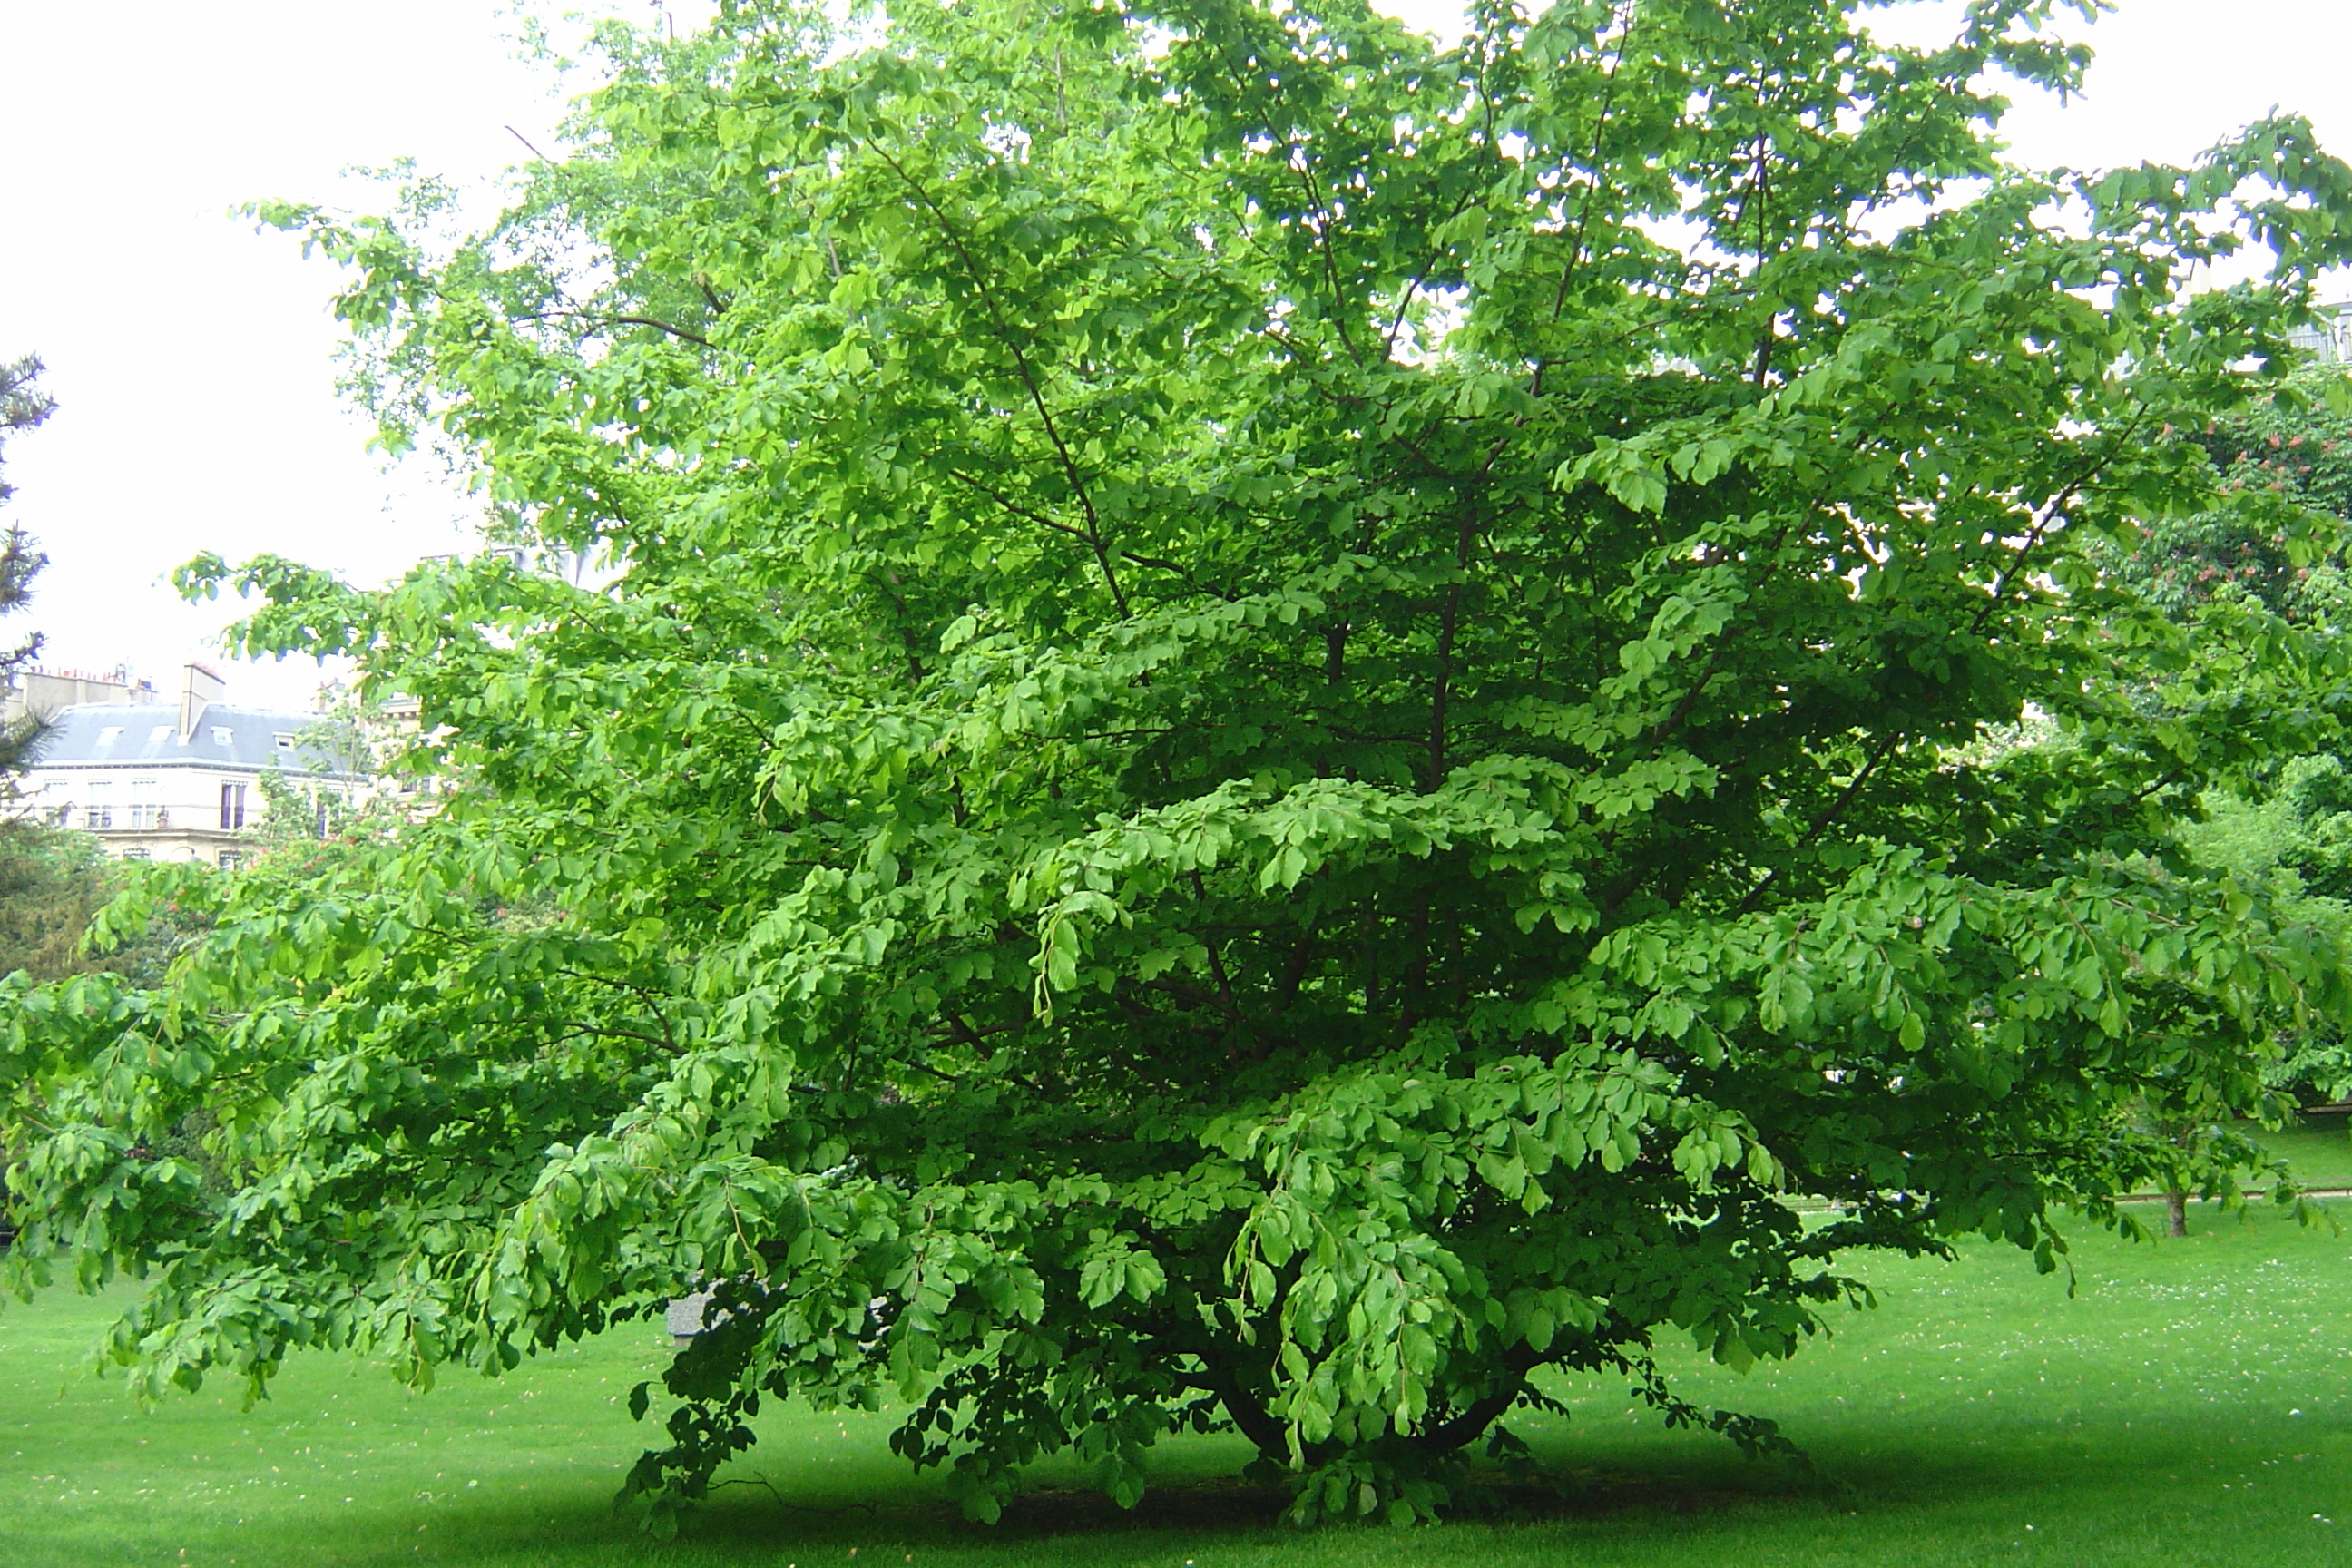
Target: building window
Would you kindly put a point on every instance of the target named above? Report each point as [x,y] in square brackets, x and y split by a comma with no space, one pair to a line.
[110,734]
[144,812]
[284,742]
[137,855]
[221,737]
[54,808]
[98,811]
[229,862]
[232,806]
[155,736]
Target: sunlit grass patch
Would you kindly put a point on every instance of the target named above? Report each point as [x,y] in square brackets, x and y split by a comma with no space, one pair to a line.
[2318,1148]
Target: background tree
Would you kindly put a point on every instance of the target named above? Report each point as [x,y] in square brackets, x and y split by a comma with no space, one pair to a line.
[320,803]
[50,882]
[23,405]
[2290,448]
[1247,759]
[2288,827]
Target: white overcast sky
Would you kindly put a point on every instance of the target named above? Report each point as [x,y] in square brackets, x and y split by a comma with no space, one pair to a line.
[191,359]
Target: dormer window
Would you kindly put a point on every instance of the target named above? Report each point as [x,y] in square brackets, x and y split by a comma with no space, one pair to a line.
[155,736]
[221,737]
[285,741]
[110,734]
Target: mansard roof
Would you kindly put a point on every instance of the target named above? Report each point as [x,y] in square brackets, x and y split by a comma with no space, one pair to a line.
[147,734]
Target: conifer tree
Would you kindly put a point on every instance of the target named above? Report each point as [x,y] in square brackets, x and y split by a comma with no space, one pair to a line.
[23,405]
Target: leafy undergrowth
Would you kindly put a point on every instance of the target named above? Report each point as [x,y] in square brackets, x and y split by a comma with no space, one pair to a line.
[2192,1405]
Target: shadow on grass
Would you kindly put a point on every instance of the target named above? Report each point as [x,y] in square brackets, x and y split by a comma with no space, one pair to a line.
[1891,1468]
[1213,1506]
[748,1519]
[1204,1509]
[1651,1498]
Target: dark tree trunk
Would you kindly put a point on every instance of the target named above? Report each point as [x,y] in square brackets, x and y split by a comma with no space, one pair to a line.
[1272,1439]
[2176,1212]
[1262,1429]
[1467,1426]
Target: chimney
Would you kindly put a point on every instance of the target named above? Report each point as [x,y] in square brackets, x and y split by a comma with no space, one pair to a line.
[199,687]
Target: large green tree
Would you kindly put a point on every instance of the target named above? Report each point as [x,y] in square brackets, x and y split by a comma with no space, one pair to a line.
[1284,724]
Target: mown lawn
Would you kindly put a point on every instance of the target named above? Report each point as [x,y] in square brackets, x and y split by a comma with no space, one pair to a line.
[2192,1406]
[2318,1148]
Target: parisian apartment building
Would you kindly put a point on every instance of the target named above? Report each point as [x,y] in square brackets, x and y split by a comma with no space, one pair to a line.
[164,775]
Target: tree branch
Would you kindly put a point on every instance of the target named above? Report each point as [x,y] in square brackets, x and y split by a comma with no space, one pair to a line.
[613,320]
[948,230]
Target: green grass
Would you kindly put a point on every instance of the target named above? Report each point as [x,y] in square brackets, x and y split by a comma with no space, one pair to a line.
[2192,1405]
[2318,1147]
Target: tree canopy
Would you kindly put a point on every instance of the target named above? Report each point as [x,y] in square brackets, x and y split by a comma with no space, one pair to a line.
[1280,726]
